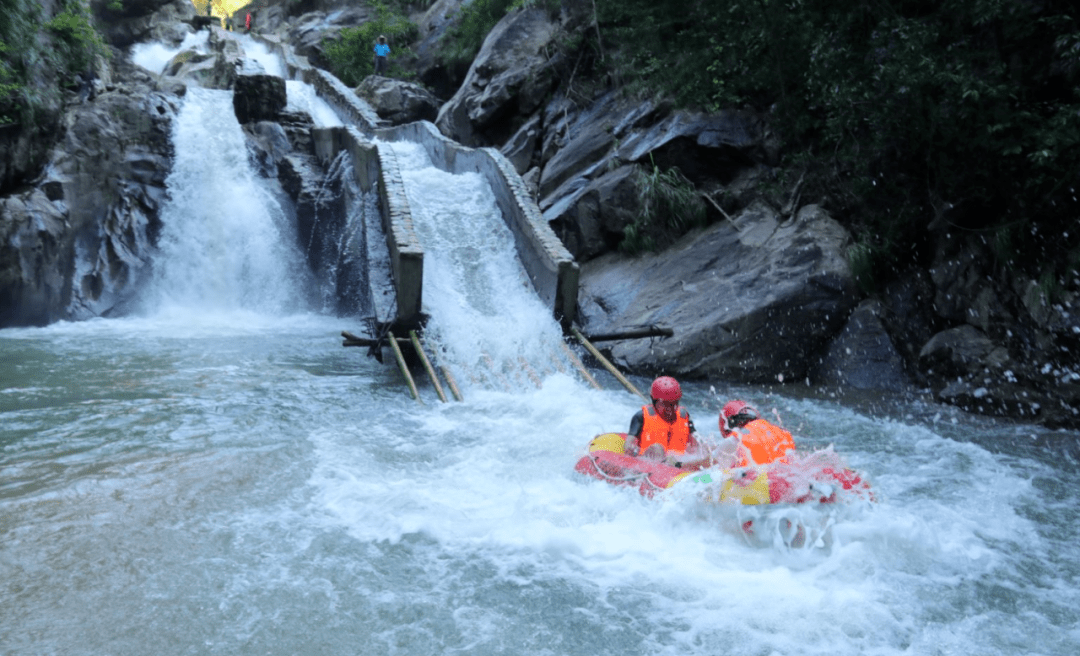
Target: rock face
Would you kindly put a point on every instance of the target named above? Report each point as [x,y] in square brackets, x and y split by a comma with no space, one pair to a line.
[35,260]
[862,356]
[309,33]
[752,301]
[510,77]
[77,244]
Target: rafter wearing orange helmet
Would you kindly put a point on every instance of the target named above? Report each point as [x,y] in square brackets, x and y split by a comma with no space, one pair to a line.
[760,442]
[663,430]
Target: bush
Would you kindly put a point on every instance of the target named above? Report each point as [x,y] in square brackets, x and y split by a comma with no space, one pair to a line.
[78,42]
[351,55]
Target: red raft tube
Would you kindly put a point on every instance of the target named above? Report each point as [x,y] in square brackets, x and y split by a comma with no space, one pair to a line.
[804,481]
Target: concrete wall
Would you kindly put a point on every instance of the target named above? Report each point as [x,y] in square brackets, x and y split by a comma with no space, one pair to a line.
[550,266]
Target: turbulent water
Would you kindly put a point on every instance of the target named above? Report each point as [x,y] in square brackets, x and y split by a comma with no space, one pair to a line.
[217,475]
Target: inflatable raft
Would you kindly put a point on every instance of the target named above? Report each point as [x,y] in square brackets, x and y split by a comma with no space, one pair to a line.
[804,480]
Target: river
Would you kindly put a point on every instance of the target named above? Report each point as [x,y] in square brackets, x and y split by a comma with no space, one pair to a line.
[215,474]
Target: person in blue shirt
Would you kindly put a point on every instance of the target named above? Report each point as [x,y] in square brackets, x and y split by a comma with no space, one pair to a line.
[382,51]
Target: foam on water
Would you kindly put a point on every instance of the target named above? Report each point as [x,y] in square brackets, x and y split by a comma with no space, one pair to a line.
[302,98]
[154,56]
[258,51]
[494,483]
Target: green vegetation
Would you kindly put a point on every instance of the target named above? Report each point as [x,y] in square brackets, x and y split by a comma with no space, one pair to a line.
[670,207]
[464,39]
[78,42]
[351,56]
[9,89]
[58,48]
[961,111]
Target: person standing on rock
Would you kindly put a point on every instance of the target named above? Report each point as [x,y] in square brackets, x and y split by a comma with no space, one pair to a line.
[382,52]
[247,23]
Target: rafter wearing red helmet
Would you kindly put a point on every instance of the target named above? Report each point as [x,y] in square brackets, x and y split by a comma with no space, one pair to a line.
[759,441]
[663,430]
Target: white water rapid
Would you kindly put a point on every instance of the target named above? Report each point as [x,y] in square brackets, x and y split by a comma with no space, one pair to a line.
[217,475]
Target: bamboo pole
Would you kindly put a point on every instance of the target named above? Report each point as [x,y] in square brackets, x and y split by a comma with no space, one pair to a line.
[576,361]
[530,372]
[405,370]
[427,365]
[451,382]
[496,374]
[607,365]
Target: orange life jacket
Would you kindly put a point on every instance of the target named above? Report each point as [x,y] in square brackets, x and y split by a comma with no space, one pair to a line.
[763,443]
[673,437]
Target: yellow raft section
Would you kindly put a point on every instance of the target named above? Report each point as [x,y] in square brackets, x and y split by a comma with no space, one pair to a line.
[746,485]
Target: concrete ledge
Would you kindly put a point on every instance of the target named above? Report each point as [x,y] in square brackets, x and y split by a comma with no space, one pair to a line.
[552,269]
[378,167]
[341,98]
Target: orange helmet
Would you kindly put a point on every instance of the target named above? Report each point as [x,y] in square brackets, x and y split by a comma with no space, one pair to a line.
[735,415]
[666,388]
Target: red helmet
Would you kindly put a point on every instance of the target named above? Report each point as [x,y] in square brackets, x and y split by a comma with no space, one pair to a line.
[736,414]
[666,388]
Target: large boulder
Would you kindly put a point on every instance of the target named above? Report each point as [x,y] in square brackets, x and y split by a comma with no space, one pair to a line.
[258,97]
[442,78]
[398,102]
[508,80]
[862,356]
[594,221]
[753,300]
[581,148]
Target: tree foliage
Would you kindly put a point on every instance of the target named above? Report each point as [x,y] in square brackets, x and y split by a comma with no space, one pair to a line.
[913,111]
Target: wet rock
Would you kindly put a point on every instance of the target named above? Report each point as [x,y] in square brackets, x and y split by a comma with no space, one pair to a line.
[105,181]
[959,351]
[258,97]
[35,262]
[750,301]
[863,356]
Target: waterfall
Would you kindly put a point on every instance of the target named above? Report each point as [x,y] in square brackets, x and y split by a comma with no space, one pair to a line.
[484,313]
[227,242]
